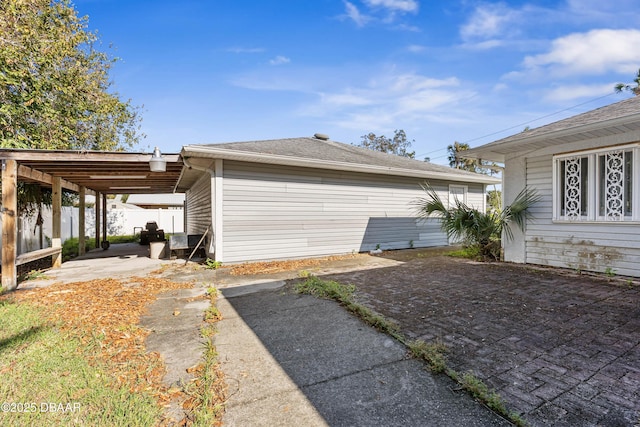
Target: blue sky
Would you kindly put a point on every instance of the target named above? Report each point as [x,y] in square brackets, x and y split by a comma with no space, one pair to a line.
[444,71]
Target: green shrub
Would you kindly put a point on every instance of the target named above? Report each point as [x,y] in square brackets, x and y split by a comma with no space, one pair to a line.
[211,264]
[482,230]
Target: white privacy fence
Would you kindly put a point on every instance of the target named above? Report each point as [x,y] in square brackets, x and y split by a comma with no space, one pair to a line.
[119,222]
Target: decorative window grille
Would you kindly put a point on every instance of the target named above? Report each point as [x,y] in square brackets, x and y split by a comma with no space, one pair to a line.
[574,183]
[597,185]
[613,189]
[572,188]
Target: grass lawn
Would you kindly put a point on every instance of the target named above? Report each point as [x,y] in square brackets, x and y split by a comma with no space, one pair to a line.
[70,246]
[74,354]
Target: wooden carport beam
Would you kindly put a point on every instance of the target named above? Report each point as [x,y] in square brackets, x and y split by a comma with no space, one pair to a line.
[44,178]
[9,231]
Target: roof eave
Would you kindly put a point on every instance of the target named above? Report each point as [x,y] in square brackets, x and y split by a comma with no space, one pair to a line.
[266,158]
[497,150]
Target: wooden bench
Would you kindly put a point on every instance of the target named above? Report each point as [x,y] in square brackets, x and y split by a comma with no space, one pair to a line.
[37,254]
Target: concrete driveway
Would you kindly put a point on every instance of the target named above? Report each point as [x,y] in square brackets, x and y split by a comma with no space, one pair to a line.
[561,348]
[293,360]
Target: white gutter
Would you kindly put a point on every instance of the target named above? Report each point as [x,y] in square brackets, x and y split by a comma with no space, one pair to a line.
[188,165]
[245,156]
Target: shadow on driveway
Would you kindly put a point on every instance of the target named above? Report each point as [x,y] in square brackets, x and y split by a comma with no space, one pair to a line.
[294,360]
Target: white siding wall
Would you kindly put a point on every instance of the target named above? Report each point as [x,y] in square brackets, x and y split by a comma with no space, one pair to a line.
[274,212]
[514,179]
[198,200]
[580,246]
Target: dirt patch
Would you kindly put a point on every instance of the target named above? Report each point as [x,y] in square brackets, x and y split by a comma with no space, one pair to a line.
[270,267]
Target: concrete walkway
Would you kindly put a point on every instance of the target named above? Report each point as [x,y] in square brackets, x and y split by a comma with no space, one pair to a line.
[288,359]
[119,261]
[292,360]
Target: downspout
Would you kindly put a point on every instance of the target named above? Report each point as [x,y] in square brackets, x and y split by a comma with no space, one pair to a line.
[212,233]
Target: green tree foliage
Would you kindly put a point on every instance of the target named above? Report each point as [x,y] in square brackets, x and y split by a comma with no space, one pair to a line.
[627,87]
[457,161]
[481,230]
[494,200]
[398,145]
[54,84]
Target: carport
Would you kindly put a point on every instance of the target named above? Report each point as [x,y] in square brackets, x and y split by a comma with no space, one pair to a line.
[96,173]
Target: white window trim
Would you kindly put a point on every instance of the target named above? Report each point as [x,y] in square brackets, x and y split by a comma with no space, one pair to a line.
[465,190]
[593,185]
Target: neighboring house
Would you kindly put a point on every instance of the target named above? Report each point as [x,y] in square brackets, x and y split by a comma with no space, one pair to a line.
[587,170]
[302,197]
[157,201]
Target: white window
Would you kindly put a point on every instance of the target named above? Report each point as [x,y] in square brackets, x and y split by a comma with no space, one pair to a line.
[597,185]
[459,193]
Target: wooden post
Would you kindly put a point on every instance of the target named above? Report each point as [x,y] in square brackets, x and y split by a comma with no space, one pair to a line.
[40,228]
[97,210]
[104,219]
[56,226]
[81,222]
[9,216]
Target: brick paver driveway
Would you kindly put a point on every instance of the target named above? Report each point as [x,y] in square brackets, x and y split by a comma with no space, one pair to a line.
[561,348]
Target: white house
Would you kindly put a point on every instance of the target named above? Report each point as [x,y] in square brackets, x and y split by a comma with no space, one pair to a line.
[302,197]
[587,170]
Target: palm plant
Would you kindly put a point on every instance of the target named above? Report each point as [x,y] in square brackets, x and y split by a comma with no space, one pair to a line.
[482,230]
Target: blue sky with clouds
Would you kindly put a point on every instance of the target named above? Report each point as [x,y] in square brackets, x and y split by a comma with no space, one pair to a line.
[444,71]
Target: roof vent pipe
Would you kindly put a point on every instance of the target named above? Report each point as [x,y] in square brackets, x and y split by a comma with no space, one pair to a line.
[321,136]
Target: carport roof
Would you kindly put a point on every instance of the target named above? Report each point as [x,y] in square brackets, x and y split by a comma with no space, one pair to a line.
[105,172]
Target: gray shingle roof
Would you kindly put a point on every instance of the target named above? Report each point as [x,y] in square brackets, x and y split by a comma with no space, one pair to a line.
[618,117]
[332,151]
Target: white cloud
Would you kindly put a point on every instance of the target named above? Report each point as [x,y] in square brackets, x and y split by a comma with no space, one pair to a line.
[484,45]
[615,13]
[569,92]
[500,87]
[353,13]
[488,21]
[279,60]
[593,53]
[394,5]
[384,11]
[390,100]
[416,48]
[361,99]
[348,98]
[245,49]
